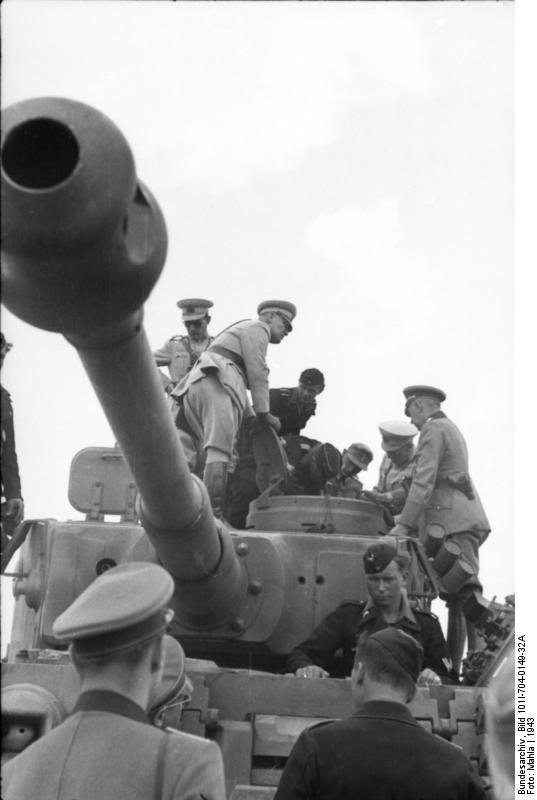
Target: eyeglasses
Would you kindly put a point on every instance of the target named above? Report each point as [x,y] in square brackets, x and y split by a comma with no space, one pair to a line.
[288,326]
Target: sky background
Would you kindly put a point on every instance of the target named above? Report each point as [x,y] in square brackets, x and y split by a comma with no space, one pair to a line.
[355,158]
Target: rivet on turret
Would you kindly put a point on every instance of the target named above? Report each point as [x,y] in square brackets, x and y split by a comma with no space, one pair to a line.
[242,549]
[255,587]
[237,625]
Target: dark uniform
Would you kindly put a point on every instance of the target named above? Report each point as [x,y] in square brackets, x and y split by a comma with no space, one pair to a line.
[11,482]
[379,753]
[342,627]
[290,410]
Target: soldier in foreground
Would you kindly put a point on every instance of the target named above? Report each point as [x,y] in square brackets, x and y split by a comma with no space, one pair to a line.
[12,502]
[181,352]
[354,459]
[395,471]
[380,751]
[386,572]
[107,748]
[294,407]
[213,399]
[442,496]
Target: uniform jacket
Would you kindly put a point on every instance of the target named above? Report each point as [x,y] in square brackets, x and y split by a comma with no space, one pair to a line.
[11,482]
[108,750]
[342,627]
[293,415]
[179,354]
[246,342]
[379,753]
[396,480]
[441,462]
[344,486]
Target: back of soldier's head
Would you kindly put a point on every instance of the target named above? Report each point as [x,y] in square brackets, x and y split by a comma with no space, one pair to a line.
[391,658]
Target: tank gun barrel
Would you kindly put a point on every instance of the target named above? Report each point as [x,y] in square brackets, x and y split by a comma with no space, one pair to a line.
[83,243]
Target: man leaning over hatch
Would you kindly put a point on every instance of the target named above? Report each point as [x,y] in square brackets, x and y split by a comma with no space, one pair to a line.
[107,748]
[213,399]
[386,571]
[380,752]
[294,407]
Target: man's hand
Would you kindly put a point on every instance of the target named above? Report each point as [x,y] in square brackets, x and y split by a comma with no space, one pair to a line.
[267,420]
[312,672]
[14,509]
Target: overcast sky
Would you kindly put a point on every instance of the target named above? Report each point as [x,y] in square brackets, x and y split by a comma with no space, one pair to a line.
[355,158]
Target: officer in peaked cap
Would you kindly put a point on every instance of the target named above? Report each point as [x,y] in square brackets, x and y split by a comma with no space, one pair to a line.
[295,406]
[395,471]
[213,397]
[442,497]
[116,633]
[416,764]
[180,353]
[386,564]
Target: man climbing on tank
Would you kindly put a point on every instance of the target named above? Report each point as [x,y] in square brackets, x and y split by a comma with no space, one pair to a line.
[395,471]
[354,459]
[294,407]
[180,353]
[386,570]
[213,396]
[12,502]
[442,496]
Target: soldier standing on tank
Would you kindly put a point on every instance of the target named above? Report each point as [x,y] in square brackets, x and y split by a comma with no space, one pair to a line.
[386,571]
[107,748]
[181,352]
[12,502]
[354,459]
[395,472]
[294,407]
[380,751]
[213,396]
[442,495]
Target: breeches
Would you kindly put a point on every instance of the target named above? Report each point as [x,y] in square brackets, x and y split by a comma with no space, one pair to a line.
[214,418]
[469,542]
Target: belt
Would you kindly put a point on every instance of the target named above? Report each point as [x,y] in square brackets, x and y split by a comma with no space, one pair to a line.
[230,355]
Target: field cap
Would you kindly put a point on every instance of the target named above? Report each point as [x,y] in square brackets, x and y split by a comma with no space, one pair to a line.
[403,648]
[378,556]
[312,377]
[123,607]
[395,434]
[286,310]
[412,392]
[360,454]
[194,308]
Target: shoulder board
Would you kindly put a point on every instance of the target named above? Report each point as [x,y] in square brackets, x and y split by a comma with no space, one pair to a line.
[360,603]
[178,338]
[284,392]
[321,724]
[426,613]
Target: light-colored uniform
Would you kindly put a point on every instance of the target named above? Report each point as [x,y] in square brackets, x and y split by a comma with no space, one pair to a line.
[108,750]
[395,480]
[214,393]
[179,354]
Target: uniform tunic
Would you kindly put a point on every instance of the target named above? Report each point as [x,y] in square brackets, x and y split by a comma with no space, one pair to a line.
[214,393]
[342,627]
[379,753]
[344,486]
[292,413]
[11,482]
[440,488]
[179,354]
[395,480]
[108,750]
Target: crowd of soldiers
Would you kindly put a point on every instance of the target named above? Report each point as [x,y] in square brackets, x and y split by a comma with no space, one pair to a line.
[130,670]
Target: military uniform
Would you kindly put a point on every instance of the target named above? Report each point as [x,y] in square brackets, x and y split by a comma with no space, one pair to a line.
[179,354]
[107,748]
[341,629]
[290,410]
[379,753]
[442,491]
[395,481]
[344,486]
[11,482]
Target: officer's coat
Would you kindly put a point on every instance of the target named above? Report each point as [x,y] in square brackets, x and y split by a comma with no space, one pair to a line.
[379,753]
[179,354]
[107,750]
[441,457]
